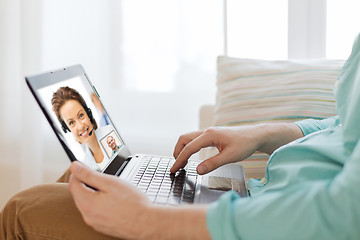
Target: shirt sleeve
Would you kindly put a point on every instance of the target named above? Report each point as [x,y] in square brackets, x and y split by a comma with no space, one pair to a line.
[322,209]
[308,126]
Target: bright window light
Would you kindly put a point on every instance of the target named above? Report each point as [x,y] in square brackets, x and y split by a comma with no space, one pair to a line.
[170,45]
[258,28]
[343,20]
[149,45]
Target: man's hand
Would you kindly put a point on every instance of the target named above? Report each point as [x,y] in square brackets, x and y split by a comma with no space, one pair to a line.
[115,209]
[234,143]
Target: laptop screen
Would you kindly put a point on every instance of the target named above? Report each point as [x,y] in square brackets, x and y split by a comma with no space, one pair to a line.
[73,108]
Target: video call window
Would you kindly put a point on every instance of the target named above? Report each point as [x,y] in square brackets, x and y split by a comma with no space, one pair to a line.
[111,143]
[80,119]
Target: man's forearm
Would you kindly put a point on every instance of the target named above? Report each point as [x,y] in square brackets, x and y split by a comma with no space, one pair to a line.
[182,222]
[275,135]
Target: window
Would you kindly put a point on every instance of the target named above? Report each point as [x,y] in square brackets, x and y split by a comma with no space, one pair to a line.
[280,29]
[343,20]
[257,29]
[170,45]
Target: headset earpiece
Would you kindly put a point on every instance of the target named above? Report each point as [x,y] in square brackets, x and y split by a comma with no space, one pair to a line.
[90,115]
[64,127]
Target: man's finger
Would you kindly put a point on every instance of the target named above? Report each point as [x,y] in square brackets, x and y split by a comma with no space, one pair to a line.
[183,141]
[80,192]
[192,147]
[90,177]
[213,163]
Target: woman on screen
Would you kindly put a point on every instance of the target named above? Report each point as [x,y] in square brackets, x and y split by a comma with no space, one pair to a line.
[75,117]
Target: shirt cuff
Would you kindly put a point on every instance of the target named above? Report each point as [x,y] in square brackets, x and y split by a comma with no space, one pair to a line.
[308,126]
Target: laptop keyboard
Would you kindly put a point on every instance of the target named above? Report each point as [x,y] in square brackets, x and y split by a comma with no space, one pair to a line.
[161,187]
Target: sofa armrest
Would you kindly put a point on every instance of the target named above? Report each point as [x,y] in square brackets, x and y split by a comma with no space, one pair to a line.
[206,116]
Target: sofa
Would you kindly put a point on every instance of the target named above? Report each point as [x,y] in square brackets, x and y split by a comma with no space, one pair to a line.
[252,91]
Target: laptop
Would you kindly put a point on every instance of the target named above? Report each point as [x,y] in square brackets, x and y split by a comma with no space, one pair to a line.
[73,108]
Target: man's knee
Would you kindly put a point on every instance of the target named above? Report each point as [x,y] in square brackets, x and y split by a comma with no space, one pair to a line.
[7,219]
[29,208]
[45,212]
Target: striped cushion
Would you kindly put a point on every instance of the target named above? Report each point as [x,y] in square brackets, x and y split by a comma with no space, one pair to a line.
[253,91]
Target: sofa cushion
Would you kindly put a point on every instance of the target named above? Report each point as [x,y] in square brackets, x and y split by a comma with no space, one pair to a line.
[252,91]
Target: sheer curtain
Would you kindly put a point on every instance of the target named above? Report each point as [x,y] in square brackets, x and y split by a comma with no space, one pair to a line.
[20,141]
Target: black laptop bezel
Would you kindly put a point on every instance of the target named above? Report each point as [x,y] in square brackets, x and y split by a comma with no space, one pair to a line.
[42,80]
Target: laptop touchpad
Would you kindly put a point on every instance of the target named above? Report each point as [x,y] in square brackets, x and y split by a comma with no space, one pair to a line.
[220,183]
[224,184]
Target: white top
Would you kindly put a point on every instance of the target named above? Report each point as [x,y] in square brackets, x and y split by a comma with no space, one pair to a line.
[89,159]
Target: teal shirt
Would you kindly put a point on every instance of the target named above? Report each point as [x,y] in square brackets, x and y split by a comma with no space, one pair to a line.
[312,187]
[114,152]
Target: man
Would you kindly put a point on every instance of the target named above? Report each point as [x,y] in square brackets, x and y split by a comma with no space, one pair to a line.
[112,144]
[311,187]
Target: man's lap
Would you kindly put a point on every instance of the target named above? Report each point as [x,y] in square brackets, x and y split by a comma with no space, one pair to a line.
[44,211]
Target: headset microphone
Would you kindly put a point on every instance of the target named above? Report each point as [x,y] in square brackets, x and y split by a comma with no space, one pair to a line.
[90,133]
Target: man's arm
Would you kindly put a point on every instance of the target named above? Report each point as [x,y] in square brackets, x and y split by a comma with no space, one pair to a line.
[275,135]
[234,143]
[325,208]
[118,209]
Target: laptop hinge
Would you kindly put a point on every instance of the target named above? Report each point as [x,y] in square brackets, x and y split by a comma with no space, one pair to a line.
[122,166]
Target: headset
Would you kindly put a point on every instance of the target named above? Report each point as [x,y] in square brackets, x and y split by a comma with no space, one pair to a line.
[65,128]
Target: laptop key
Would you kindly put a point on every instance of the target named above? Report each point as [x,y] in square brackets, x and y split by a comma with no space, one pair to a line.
[174,200]
[161,199]
[151,198]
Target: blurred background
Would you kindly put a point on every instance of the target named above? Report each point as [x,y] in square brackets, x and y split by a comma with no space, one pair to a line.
[152,62]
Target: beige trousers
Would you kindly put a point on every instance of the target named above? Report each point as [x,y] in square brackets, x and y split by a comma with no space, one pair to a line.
[45,212]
